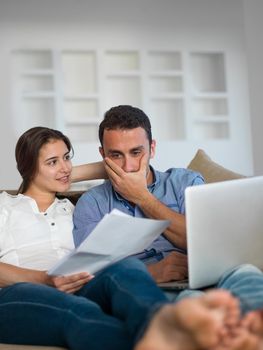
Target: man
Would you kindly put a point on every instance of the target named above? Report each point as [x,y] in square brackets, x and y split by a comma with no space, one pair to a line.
[137,189]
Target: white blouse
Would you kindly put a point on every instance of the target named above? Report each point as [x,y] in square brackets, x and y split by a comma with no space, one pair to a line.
[33,239]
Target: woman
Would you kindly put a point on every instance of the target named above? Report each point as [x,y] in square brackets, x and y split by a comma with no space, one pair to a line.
[109,311]
[44,161]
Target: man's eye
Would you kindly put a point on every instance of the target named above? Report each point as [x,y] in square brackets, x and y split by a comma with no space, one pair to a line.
[115,156]
[136,153]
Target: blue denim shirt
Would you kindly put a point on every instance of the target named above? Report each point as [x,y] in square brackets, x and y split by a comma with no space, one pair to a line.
[168,187]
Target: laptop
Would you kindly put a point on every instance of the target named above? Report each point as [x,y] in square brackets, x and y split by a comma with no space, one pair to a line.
[224,223]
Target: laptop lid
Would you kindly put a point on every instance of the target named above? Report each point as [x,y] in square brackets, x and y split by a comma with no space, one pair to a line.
[224,223]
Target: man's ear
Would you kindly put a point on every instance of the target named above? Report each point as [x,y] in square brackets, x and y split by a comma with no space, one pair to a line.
[152,149]
[102,152]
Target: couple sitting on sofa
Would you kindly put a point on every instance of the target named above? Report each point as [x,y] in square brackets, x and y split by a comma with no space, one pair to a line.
[121,307]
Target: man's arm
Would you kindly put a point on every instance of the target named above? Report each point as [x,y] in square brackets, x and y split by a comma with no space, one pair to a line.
[10,274]
[86,216]
[153,208]
[91,171]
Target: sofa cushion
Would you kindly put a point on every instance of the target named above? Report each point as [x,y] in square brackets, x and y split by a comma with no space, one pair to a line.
[211,171]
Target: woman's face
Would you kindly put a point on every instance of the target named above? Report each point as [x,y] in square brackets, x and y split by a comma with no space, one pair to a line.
[54,167]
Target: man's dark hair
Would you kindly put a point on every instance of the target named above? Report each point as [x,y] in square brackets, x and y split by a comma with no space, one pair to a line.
[125,117]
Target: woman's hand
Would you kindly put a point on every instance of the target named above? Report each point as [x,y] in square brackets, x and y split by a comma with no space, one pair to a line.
[69,284]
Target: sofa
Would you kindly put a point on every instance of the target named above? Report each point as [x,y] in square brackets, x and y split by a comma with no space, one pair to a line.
[211,171]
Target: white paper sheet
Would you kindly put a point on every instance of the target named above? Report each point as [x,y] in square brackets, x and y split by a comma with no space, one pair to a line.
[115,237]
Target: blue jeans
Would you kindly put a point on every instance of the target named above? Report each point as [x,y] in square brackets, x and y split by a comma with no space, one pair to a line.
[245,282]
[109,312]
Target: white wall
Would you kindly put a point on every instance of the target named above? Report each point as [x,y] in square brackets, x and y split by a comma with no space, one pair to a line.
[199,24]
[253,16]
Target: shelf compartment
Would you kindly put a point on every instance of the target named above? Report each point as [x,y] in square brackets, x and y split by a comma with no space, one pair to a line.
[33,59]
[168,118]
[79,72]
[122,61]
[212,119]
[37,84]
[123,91]
[81,110]
[209,106]
[37,111]
[161,61]
[168,96]
[166,73]
[83,121]
[81,97]
[37,72]
[210,95]
[38,95]
[211,130]
[82,133]
[124,74]
[208,71]
[162,85]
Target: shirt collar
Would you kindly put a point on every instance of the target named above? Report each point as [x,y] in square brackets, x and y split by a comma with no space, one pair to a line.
[56,203]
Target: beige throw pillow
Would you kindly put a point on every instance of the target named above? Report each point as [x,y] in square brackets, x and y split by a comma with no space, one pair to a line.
[211,171]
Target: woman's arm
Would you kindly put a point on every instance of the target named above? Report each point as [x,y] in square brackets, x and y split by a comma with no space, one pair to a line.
[10,274]
[91,171]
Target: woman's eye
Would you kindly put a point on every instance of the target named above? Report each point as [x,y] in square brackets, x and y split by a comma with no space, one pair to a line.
[52,163]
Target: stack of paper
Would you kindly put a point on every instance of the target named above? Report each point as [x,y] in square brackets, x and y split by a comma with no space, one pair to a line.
[115,237]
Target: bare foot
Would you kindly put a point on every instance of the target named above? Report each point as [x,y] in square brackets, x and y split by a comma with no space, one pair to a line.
[252,323]
[247,335]
[192,323]
[240,339]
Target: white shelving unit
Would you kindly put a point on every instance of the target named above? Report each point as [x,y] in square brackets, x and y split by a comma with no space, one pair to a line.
[71,89]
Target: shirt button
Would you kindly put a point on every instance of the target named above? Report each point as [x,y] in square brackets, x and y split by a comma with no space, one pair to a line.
[45,214]
[52,223]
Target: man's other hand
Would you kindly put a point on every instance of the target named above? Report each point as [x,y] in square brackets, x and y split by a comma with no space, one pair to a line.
[172,268]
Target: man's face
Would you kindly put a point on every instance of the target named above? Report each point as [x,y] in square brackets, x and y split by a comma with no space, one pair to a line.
[126,147]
